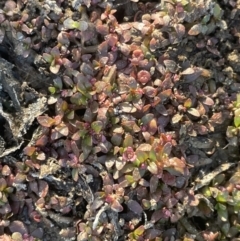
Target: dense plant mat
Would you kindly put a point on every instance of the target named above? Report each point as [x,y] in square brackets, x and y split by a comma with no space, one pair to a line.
[119,120]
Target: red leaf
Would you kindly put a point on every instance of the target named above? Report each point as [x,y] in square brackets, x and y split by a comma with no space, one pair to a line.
[116,206]
[154,181]
[6,171]
[18,226]
[55,135]
[42,188]
[42,141]
[135,207]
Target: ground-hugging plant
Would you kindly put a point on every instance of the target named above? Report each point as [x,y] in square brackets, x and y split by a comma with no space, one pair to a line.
[125,103]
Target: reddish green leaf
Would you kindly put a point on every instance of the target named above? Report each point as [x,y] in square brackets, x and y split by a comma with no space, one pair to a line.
[195,29]
[152,127]
[29,150]
[3,184]
[46,121]
[76,136]
[237,121]
[130,126]
[167,148]
[188,103]
[62,129]
[175,166]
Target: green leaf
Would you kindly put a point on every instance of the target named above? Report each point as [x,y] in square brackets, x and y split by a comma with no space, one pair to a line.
[79,99]
[82,25]
[141,156]
[237,112]
[146,204]
[128,141]
[97,126]
[70,115]
[88,140]
[86,150]
[205,29]
[188,103]
[225,228]
[222,212]
[58,83]
[129,178]
[217,11]
[70,24]
[206,19]
[147,118]
[130,126]
[75,174]
[116,139]
[152,156]
[237,121]
[139,231]
[52,90]
[222,197]
[237,104]
[48,57]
